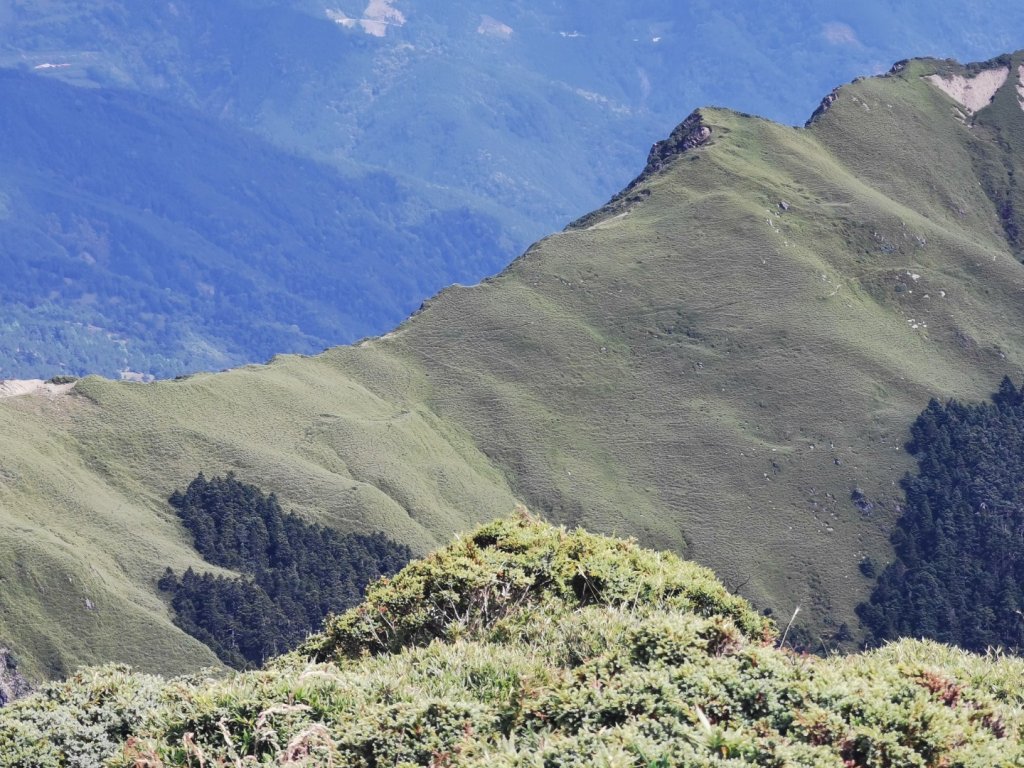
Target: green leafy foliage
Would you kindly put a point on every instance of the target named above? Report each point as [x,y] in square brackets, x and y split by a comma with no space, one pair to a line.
[644,661]
[79,722]
[296,572]
[503,568]
[959,573]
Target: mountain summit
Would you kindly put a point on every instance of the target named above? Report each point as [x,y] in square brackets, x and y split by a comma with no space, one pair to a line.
[723,361]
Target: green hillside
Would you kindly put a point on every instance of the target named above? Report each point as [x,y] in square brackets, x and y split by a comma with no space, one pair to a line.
[527,645]
[715,363]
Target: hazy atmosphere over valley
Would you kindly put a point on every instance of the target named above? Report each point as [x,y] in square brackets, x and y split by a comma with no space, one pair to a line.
[516,384]
[191,186]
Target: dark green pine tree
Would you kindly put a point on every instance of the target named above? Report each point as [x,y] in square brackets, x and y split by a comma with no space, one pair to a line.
[293,573]
[959,570]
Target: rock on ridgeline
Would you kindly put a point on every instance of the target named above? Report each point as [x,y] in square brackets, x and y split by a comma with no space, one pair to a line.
[690,133]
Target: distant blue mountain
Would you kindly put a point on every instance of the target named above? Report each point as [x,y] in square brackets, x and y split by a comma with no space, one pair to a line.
[140,235]
[190,184]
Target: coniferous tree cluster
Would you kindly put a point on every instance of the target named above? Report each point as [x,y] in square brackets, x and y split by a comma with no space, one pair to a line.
[959,570]
[294,573]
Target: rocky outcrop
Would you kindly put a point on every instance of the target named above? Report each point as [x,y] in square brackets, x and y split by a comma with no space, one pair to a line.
[12,684]
[693,132]
[827,102]
[690,133]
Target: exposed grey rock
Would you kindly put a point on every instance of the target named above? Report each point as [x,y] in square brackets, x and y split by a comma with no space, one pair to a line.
[827,102]
[13,685]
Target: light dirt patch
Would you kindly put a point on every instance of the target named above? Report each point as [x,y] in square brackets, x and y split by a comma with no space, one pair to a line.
[493,28]
[19,387]
[605,223]
[368,342]
[340,18]
[976,92]
[378,16]
[1020,85]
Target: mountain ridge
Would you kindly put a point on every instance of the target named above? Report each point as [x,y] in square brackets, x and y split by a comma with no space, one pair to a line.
[703,369]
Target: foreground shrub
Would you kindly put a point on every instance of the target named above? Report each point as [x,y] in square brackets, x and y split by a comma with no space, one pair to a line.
[525,645]
[79,722]
[511,565]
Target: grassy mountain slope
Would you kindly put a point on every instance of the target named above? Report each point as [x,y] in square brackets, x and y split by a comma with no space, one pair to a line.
[747,368]
[693,365]
[525,645]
